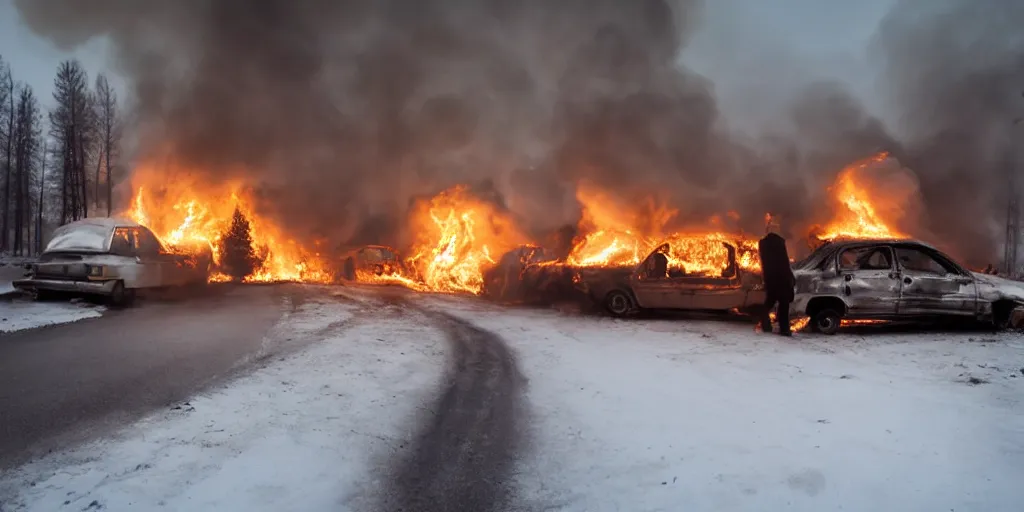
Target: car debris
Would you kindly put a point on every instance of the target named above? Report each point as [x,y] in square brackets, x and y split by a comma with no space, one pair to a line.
[365,262]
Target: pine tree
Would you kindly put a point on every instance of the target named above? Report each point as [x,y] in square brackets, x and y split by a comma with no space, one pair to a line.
[238,258]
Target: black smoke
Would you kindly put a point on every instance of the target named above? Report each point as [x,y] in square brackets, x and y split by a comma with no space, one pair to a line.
[339,112]
[953,72]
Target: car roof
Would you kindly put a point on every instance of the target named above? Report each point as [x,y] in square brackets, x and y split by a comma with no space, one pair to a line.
[850,242]
[105,222]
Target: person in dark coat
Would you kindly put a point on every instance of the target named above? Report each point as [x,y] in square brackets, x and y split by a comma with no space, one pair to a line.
[779,282]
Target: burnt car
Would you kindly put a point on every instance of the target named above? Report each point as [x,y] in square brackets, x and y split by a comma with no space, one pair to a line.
[505,280]
[896,280]
[371,260]
[112,258]
[657,284]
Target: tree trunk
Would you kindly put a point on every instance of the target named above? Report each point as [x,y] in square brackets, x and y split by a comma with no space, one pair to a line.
[7,171]
[39,218]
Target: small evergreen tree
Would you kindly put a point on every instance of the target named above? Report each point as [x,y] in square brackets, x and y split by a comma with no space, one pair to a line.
[238,258]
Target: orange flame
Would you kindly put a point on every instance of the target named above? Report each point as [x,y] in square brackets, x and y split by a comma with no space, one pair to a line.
[857,216]
[624,236]
[458,238]
[188,216]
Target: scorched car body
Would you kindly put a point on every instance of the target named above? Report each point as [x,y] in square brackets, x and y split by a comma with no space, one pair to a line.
[375,260]
[652,285]
[113,258]
[895,280]
[507,280]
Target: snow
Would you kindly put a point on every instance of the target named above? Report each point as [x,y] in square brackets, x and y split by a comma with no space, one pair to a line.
[624,415]
[19,315]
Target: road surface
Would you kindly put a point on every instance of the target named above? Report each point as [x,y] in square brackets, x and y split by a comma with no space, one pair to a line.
[63,383]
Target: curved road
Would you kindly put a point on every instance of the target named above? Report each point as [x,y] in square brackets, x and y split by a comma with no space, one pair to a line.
[63,383]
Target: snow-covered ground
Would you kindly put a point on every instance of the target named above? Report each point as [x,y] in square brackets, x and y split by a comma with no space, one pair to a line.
[23,314]
[16,315]
[624,415]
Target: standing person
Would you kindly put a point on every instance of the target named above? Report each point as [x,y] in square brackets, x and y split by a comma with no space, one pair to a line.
[779,282]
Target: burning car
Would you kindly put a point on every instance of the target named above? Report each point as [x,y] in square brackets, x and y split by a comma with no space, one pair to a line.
[884,279]
[369,260]
[661,281]
[112,258]
[505,280]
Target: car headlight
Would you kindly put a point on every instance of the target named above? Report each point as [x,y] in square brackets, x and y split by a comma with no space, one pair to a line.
[95,270]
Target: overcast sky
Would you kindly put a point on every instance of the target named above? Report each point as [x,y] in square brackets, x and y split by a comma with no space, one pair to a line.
[743,46]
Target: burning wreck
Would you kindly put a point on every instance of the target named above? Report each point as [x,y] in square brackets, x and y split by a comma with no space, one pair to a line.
[113,258]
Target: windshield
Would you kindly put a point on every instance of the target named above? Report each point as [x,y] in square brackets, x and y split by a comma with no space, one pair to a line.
[80,237]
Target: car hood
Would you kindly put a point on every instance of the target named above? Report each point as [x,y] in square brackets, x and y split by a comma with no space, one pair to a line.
[995,287]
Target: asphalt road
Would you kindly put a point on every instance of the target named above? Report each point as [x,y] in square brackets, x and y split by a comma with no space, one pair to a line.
[65,383]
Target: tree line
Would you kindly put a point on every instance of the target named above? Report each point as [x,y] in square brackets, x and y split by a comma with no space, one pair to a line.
[58,169]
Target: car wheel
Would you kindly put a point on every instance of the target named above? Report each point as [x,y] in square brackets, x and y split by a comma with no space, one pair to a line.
[120,296]
[618,303]
[826,321]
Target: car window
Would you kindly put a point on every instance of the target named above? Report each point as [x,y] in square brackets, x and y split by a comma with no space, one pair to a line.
[865,258]
[920,261]
[146,243]
[123,242]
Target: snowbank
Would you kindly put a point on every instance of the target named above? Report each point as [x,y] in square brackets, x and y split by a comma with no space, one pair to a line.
[19,315]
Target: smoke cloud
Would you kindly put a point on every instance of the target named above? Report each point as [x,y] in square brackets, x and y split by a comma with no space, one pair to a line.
[340,112]
[953,73]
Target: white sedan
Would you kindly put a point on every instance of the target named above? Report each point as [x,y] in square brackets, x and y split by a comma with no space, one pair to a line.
[113,258]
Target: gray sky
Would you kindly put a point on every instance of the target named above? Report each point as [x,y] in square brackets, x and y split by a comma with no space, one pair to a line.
[744,46]
[34,60]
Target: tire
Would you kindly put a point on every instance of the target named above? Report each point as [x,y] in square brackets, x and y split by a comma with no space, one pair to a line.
[1001,313]
[121,297]
[826,321]
[619,304]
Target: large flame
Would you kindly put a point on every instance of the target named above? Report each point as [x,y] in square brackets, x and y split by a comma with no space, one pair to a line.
[185,215]
[857,214]
[458,236]
[618,235]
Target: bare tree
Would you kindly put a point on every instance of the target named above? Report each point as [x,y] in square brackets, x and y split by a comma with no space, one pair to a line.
[26,152]
[70,126]
[7,133]
[106,117]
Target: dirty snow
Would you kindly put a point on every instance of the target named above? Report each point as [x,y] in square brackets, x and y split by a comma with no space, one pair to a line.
[625,415]
[20,314]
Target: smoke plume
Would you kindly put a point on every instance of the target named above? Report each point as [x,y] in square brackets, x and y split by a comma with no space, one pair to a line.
[339,112]
[953,72]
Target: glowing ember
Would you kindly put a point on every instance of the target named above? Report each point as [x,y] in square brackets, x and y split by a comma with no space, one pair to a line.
[458,238]
[857,216]
[185,214]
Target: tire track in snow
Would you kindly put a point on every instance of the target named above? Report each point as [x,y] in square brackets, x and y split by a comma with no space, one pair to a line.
[466,450]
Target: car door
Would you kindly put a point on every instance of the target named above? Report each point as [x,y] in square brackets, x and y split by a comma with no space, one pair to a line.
[156,269]
[931,285]
[651,285]
[870,283]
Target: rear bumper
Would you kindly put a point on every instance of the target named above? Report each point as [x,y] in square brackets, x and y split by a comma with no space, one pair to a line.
[57,285]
